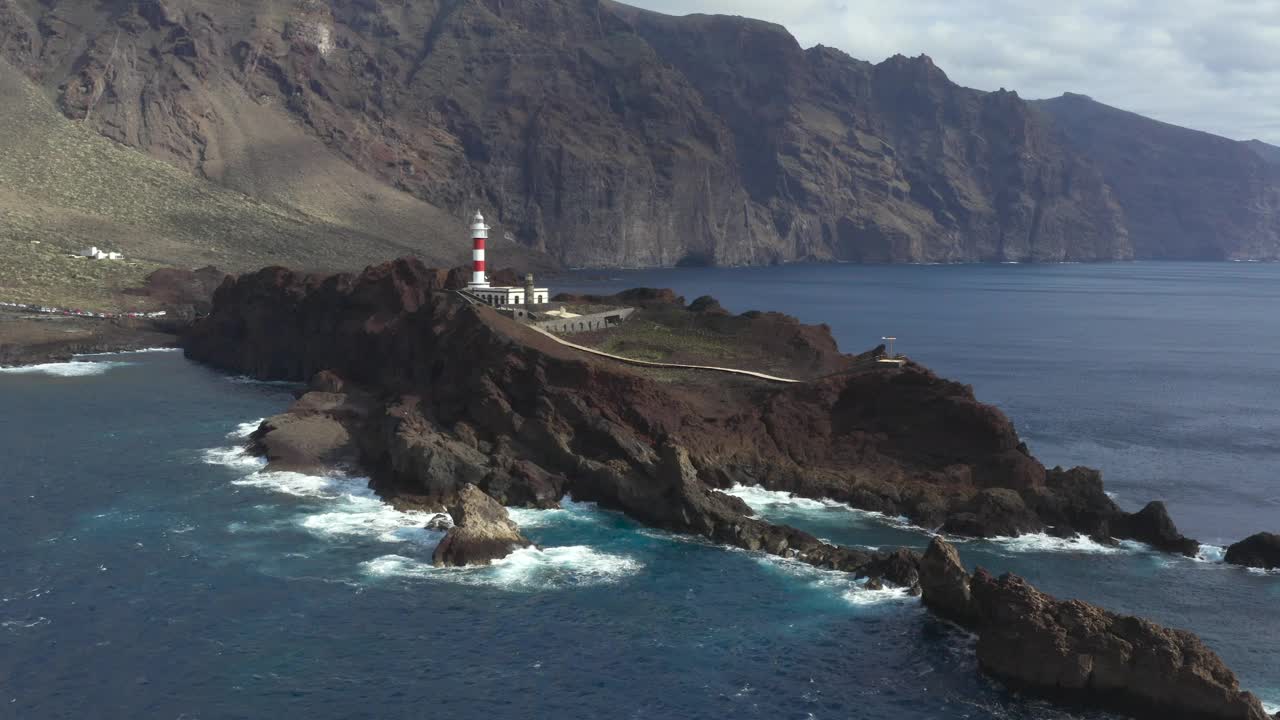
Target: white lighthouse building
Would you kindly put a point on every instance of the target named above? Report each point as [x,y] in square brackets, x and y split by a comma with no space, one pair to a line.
[479,285]
[479,235]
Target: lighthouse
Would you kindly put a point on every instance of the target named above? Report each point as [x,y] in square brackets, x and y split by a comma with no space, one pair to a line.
[479,234]
[497,296]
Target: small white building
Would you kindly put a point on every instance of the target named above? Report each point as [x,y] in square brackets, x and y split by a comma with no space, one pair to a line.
[93,253]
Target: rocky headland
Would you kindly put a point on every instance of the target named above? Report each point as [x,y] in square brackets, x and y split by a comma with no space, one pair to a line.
[1080,653]
[441,402]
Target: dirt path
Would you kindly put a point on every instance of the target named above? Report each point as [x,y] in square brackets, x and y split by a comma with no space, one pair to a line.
[646,363]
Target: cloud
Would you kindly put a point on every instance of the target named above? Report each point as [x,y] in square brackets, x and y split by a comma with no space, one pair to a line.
[1212,66]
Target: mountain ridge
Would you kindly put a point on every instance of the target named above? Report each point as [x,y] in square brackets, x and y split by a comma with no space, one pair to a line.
[592,133]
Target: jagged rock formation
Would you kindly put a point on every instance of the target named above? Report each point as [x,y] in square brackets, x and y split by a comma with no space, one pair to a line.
[527,420]
[1186,194]
[599,133]
[482,532]
[1259,551]
[1080,653]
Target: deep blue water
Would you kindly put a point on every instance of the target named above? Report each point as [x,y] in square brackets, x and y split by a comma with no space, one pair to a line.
[148,569]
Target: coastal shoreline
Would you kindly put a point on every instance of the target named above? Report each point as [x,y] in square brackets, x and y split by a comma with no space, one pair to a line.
[40,339]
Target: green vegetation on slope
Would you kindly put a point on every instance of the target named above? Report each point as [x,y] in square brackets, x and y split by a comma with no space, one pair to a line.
[63,188]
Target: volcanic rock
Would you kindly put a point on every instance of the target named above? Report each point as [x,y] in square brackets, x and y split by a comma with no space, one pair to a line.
[1152,525]
[1080,653]
[470,396]
[1259,551]
[440,522]
[994,512]
[482,532]
[944,583]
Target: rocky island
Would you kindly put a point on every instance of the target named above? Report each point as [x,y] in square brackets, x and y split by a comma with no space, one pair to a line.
[453,406]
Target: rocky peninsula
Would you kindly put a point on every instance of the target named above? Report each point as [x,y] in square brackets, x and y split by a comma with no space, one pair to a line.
[442,401]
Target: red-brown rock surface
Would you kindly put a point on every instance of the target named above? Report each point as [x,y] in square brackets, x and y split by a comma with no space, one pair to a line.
[482,532]
[468,395]
[1081,653]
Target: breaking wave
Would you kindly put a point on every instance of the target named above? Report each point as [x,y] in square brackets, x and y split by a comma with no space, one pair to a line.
[526,569]
[233,457]
[323,487]
[245,429]
[569,511]
[358,515]
[764,501]
[344,509]
[850,589]
[66,369]
[1211,554]
[1041,543]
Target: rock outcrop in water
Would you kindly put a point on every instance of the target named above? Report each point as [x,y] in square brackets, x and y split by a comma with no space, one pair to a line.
[482,532]
[1259,551]
[1080,653]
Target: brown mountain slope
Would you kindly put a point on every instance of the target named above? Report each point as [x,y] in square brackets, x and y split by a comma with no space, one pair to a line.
[1186,194]
[599,133]
[64,187]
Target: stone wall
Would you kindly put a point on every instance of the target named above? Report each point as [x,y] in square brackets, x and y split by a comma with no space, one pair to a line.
[587,323]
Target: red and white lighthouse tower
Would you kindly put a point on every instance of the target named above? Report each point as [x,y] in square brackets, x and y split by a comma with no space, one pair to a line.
[479,234]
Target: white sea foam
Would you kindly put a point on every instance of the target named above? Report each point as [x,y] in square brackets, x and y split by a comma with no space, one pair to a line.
[350,510]
[245,429]
[233,457]
[850,589]
[1271,709]
[1040,542]
[67,369]
[1211,554]
[569,511]
[358,515]
[762,501]
[324,487]
[526,569]
[16,625]
[131,352]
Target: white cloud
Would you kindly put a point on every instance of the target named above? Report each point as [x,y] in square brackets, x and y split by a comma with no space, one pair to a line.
[1213,66]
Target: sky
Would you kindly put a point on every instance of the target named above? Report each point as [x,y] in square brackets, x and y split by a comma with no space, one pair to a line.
[1211,65]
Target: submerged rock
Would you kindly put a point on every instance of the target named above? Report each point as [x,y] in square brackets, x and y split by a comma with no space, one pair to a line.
[1259,551]
[1080,653]
[482,532]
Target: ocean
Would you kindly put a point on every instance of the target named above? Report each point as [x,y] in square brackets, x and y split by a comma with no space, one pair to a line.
[151,569]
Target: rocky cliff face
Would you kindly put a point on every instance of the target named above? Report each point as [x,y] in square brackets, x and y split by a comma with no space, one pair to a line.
[598,133]
[1187,195]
